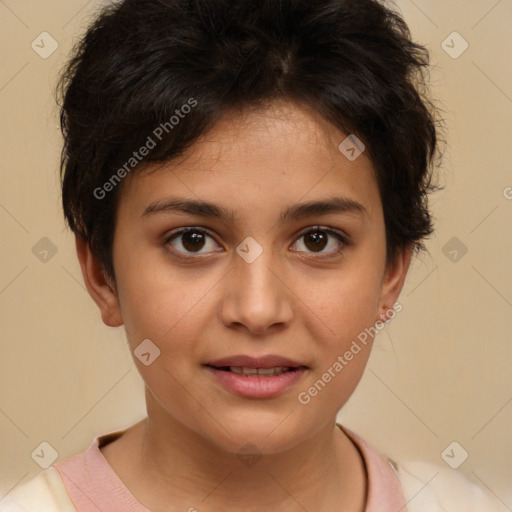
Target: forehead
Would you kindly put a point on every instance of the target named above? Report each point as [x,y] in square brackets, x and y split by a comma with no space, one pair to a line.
[257,158]
[279,129]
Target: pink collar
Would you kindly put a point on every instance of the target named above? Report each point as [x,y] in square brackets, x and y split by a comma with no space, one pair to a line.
[93,486]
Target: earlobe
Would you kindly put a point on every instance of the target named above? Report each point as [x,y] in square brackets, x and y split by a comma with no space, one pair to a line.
[394,280]
[98,285]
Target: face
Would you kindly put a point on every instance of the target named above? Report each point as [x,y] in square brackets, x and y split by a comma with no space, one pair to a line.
[225,264]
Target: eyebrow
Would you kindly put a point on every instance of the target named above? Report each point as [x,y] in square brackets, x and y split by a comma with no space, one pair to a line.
[295,212]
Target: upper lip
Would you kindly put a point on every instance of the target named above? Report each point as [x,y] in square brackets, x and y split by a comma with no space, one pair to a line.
[245,361]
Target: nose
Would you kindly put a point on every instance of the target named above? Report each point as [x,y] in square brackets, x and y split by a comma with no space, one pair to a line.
[257,297]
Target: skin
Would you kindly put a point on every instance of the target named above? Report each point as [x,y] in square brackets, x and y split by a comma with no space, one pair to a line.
[291,301]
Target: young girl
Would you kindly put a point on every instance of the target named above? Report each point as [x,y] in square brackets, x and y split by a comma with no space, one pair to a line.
[247,183]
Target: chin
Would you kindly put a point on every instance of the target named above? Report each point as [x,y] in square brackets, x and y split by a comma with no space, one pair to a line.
[270,434]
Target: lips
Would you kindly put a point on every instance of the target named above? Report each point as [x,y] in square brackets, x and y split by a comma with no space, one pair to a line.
[256,377]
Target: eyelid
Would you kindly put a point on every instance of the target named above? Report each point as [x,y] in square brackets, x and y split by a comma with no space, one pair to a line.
[327,229]
[187,229]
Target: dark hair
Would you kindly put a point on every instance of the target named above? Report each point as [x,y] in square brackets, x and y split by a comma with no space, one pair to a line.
[141,62]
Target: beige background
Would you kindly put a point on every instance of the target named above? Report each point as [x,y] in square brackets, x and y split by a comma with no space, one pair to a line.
[440,372]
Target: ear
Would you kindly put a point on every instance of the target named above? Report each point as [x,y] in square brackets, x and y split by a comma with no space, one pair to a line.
[99,286]
[394,279]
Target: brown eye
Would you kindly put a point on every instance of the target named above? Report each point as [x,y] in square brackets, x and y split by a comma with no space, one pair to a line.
[191,240]
[317,239]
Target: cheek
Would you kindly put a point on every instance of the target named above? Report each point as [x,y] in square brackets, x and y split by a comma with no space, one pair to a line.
[339,311]
[158,301]
[342,305]
[343,312]
[165,314]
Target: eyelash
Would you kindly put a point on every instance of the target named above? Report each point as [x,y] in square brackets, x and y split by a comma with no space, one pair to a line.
[345,242]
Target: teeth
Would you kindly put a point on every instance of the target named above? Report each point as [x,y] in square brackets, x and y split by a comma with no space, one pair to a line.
[258,371]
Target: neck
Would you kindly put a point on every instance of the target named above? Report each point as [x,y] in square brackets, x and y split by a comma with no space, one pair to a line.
[177,466]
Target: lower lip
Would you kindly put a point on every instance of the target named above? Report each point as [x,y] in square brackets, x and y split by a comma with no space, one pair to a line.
[257,387]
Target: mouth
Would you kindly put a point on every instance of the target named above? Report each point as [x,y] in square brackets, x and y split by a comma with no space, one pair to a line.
[249,366]
[256,377]
[256,372]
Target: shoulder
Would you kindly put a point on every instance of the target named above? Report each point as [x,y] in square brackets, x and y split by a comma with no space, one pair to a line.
[430,487]
[43,493]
